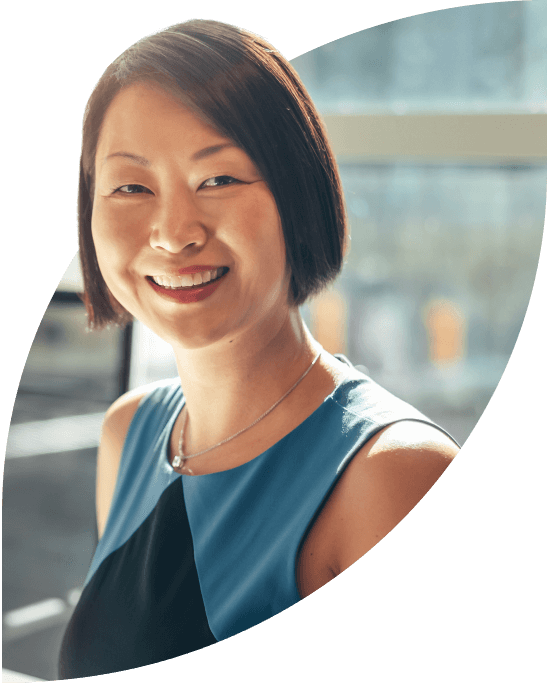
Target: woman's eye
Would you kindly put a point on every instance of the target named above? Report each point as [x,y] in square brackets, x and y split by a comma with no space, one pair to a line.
[218,181]
[132,189]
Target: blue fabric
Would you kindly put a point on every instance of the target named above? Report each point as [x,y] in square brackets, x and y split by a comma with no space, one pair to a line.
[247,524]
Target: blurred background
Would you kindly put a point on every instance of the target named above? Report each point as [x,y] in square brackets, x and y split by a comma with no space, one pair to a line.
[439,125]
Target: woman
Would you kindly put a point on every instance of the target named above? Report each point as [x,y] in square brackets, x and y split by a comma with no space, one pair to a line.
[211,209]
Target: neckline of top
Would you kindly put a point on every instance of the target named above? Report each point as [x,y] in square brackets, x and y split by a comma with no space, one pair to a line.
[166,446]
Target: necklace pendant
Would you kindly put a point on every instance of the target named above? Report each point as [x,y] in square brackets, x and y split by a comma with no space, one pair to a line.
[180,463]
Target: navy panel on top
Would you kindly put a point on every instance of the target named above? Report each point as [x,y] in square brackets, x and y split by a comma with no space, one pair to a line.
[236,535]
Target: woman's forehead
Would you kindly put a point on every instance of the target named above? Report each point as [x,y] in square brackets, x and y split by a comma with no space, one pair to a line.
[142,106]
[147,118]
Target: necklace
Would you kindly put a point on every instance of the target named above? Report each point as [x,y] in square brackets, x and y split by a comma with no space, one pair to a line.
[179,461]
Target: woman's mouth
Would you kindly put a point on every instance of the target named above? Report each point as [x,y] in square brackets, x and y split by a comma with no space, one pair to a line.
[188,287]
[219,273]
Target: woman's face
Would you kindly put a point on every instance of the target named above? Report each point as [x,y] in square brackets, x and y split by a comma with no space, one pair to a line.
[176,204]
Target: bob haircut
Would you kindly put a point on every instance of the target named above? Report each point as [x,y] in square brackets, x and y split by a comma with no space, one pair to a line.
[241,86]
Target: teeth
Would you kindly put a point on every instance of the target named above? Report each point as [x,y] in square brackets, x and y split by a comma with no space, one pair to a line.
[187,279]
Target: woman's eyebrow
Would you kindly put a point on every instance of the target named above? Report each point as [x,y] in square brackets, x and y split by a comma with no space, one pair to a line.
[197,156]
[212,149]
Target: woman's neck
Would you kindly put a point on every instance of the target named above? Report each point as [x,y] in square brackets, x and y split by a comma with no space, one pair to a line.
[236,380]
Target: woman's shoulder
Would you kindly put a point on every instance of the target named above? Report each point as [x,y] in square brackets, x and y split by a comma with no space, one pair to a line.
[132,397]
[120,413]
[115,427]
[387,477]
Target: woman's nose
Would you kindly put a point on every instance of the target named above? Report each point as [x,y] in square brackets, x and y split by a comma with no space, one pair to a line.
[178,225]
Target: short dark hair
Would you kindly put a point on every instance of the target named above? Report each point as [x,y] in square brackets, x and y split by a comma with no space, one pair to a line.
[241,86]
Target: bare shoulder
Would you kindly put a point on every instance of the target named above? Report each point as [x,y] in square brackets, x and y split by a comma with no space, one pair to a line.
[117,420]
[114,430]
[383,483]
[120,413]
[413,442]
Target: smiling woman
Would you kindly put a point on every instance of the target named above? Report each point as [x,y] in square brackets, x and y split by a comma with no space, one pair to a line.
[251,98]
[210,209]
[169,185]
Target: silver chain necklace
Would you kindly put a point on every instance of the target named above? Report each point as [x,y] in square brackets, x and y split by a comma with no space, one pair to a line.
[179,461]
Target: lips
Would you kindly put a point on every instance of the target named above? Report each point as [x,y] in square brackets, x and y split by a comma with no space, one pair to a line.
[196,268]
[187,295]
[189,279]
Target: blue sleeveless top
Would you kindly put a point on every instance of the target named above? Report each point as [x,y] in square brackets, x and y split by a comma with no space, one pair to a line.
[186,561]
